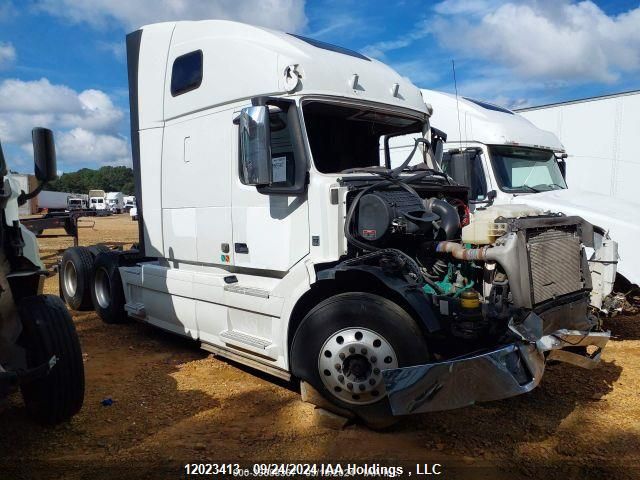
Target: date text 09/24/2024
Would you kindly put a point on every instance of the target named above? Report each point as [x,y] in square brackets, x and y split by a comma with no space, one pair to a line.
[310,470]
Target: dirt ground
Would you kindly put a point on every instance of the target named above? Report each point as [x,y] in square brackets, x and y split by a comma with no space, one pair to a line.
[174,404]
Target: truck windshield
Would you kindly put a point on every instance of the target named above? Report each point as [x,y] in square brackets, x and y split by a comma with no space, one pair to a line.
[343,137]
[526,170]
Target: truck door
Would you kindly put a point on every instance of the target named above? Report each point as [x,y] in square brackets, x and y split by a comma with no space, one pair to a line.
[271,224]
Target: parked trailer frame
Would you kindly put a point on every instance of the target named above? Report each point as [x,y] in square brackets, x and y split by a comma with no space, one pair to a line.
[68,221]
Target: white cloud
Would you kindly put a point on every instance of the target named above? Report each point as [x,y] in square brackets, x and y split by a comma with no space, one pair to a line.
[80,145]
[417,71]
[465,7]
[7,54]
[86,124]
[577,42]
[517,51]
[379,49]
[278,14]
[117,49]
[37,96]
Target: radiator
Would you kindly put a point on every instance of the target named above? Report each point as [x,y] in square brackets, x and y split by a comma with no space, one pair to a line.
[555,263]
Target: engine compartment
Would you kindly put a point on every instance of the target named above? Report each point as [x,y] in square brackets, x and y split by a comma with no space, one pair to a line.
[482,273]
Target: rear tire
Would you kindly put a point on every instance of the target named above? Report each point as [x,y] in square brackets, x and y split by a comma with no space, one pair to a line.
[381,333]
[77,273]
[48,330]
[107,292]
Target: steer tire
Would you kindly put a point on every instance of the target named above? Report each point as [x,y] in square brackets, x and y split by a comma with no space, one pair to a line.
[350,313]
[107,292]
[76,277]
[48,330]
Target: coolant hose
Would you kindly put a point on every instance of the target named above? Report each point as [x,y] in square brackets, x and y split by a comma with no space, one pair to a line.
[450,220]
[458,251]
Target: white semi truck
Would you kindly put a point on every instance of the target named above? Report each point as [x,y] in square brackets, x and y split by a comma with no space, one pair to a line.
[39,348]
[129,202]
[77,202]
[97,200]
[270,233]
[115,202]
[505,159]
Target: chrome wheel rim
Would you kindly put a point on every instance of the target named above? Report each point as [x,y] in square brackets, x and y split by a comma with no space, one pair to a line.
[350,365]
[70,279]
[103,290]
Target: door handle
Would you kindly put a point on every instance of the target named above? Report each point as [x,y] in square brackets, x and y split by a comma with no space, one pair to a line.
[241,248]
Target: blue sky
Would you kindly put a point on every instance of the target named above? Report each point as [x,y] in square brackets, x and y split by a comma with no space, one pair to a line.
[62,62]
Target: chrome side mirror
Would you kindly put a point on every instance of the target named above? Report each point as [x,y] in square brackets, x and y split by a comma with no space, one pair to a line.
[255,146]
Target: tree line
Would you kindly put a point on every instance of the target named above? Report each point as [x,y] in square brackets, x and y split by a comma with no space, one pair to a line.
[109,179]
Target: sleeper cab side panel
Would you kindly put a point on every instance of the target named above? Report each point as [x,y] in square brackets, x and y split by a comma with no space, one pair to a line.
[196,189]
[225,77]
[150,157]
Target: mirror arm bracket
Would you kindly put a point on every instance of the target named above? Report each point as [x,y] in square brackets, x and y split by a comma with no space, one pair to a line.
[23,197]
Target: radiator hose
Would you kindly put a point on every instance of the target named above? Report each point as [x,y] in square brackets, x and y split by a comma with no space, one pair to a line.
[450,220]
[458,251]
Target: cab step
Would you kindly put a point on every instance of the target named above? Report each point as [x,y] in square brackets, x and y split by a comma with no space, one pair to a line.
[136,310]
[255,344]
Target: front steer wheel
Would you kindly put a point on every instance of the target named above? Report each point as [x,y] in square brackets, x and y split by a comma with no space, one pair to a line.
[107,292]
[344,343]
[48,331]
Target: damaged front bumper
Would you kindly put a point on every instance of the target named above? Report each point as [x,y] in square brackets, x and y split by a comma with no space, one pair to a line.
[508,371]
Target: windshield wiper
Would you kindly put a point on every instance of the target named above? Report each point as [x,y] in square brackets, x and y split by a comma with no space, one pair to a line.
[549,186]
[529,188]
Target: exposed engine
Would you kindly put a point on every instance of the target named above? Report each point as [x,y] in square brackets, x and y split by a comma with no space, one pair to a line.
[484,272]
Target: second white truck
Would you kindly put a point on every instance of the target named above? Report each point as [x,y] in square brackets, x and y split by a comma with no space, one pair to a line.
[506,159]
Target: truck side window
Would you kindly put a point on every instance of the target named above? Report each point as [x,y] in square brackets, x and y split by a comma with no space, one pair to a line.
[287,162]
[282,158]
[186,74]
[466,169]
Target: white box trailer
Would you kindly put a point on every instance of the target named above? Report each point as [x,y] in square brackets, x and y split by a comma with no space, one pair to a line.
[52,201]
[270,233]
[45,200]
[599,135]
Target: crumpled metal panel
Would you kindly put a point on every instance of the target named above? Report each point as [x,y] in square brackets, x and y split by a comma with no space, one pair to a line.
[508,371]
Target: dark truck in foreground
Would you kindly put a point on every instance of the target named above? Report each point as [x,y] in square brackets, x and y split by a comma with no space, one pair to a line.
[39,348]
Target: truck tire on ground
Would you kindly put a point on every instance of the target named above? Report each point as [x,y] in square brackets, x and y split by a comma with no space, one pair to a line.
[77,274]
[344,342]
[48,330]
[106,289]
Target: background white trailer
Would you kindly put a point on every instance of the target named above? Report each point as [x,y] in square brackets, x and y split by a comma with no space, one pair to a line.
[27,183]
[45,199]
[53,200]
[599,135]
